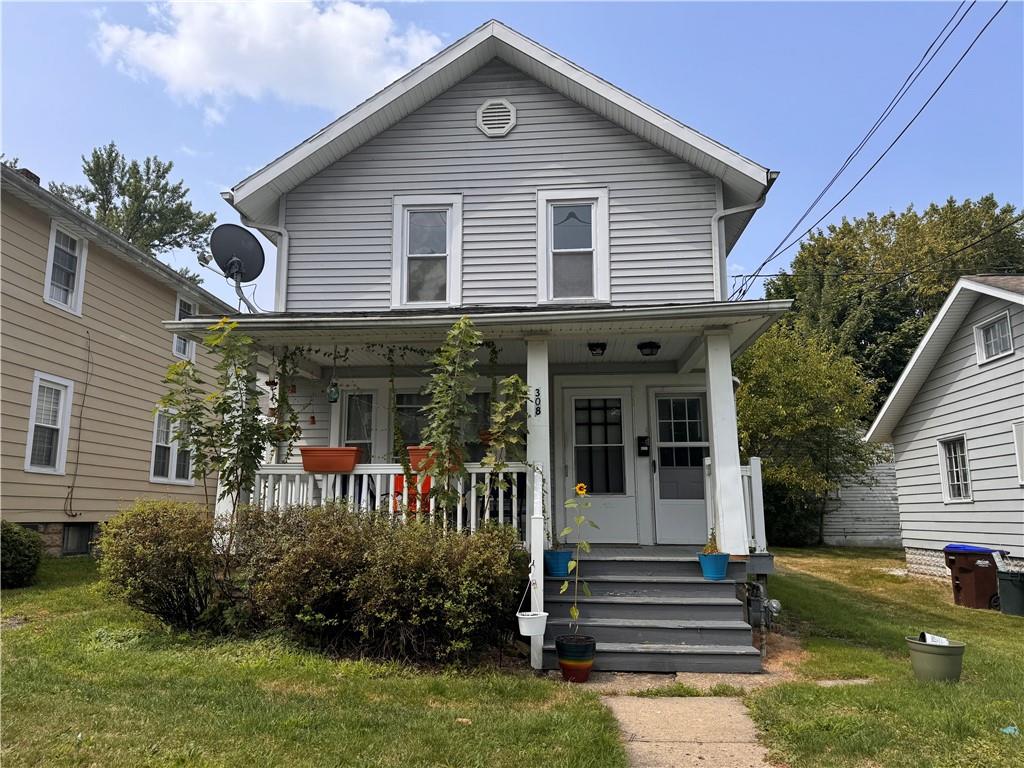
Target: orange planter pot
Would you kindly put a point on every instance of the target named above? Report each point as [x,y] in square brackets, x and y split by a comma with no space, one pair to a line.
[419,458]
[329,459]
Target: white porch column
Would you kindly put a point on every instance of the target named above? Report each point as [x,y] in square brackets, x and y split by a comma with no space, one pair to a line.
[727,482]
[538,416]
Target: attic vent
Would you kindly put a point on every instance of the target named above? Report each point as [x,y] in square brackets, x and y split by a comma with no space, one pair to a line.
[496,117]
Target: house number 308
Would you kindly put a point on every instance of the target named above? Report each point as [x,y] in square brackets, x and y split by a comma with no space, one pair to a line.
[536,402]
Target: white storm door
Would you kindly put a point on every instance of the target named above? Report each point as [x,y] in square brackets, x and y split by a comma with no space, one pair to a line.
[680,445]
[599,430]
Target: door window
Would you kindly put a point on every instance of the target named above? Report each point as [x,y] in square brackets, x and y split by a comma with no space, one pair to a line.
[682,447]
[600,452]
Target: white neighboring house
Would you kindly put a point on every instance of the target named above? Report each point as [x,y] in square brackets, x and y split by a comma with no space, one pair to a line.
[864,512]
[586,235]
[956,420]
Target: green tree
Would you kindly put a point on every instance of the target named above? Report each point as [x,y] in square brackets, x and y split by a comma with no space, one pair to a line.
[872,285]
[801,406]
[139,202]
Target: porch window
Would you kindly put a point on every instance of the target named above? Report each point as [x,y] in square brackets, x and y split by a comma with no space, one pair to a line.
[956,475]
[412,421]
[572,237]
[993,338]
[682,447]
[65,267]
[49,424]
[427,260]
[359,423]
[184,348]
[600,450]
[171,463]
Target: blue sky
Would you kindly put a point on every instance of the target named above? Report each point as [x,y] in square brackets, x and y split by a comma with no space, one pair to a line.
[793,86]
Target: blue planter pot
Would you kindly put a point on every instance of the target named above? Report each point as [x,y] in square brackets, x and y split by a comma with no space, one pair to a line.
[556,562]
[714,567]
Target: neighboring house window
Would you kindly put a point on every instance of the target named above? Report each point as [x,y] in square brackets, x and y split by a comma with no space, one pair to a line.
[184,348]
[49,424]
[427,259]
[65,269]
[572,245]
[956,474]
[171,464]
[993,338]
[1018,449]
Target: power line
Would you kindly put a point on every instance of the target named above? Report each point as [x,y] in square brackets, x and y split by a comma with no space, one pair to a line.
[742,291]
[902,91]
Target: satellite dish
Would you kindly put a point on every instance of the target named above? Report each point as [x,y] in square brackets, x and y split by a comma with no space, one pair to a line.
[239,255]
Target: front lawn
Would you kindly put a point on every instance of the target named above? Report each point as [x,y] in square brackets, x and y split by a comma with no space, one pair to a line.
[89,682]
[852,612]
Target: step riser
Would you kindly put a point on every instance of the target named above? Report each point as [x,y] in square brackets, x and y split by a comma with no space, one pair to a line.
[658,635]
[647,589]
[652,568]
[667,662]
[648,611]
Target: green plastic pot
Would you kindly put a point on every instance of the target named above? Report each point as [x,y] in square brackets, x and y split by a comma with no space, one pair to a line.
[936,662]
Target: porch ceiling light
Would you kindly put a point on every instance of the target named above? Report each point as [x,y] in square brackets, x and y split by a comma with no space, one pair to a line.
[649,348]
[597,348]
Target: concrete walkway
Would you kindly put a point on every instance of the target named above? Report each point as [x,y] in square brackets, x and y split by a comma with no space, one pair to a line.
[711,732]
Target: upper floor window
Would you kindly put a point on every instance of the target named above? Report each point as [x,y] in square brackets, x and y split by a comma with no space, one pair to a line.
[49,423]
[956,472]
[993,338]
[171,462]
[65,269]
[572,240]
[427,259]
[184,348]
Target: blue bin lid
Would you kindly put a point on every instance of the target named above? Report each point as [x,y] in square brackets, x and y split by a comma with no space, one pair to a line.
[954,548]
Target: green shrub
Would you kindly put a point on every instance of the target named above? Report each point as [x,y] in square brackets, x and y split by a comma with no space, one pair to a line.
[20,552]
[158,556]
[355,581]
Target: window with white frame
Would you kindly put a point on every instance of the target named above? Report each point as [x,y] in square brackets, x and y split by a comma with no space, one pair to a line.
[171,463]
[358,428]
[49,424]
[572,245]
[1018,449]
[993,338]
[427,259]
[956,472]
[184,348]
[65,269]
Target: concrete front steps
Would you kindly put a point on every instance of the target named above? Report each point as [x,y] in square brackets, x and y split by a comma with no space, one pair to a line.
[655,613]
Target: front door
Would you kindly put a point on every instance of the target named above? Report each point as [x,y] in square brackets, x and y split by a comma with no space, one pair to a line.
[599,439]
[681,443]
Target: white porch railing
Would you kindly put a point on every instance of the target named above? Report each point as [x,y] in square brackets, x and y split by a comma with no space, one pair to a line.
[383,487]
[753,502]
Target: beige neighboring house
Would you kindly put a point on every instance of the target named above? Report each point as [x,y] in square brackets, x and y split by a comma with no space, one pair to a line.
[82,356]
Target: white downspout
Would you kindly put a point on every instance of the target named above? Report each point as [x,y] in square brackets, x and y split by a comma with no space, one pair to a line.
[718,237]
[281,276]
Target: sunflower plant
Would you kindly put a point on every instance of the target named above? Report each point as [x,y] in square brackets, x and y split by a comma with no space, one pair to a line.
[578,502]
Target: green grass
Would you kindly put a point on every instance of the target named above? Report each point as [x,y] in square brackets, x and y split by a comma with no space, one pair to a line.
[87,682]
[682,690]
[852,618]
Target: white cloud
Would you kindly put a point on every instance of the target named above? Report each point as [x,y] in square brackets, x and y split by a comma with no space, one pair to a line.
[330,55]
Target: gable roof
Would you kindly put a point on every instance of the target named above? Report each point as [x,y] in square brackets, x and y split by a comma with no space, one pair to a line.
[36,196]
[256,197]
[946,323]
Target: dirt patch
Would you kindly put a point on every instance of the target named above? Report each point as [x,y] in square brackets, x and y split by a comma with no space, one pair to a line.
[846,681]
[619,683]
[13,622]
[293,688]
[784,657]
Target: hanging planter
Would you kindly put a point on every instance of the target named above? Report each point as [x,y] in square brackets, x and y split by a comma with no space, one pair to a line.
[532,623]
[342,459]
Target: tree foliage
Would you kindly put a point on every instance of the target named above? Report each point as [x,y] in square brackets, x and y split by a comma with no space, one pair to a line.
[872,285]
[139,202]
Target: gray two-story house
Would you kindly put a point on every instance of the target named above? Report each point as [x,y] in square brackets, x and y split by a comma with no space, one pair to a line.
[586,235]
[956,421]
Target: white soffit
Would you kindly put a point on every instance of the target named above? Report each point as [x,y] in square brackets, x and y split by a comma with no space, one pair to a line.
[256,196]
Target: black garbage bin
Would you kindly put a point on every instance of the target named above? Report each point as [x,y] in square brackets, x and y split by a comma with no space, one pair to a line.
[974,575]
[1011,593]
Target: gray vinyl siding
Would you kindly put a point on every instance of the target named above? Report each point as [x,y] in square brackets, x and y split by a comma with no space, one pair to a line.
[660,208]
[980,402]
[310,402]
[866,513]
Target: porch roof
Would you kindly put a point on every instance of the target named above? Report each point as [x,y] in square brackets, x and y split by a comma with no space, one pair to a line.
[678,327]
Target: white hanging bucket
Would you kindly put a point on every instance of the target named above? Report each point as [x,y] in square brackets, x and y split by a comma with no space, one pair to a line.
[532,623]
